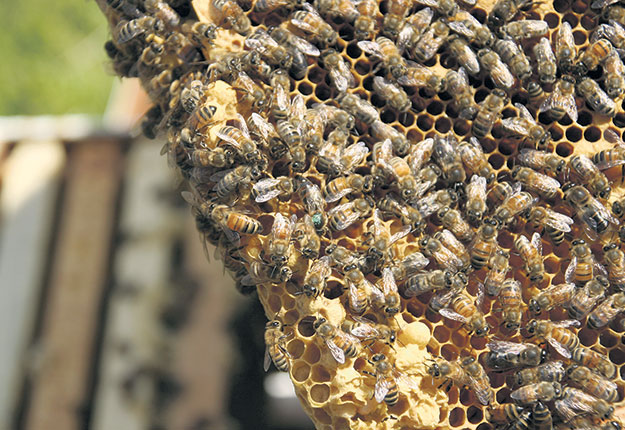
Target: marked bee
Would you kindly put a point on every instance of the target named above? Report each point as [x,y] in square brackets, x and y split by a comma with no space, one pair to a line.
[312,23]
[498,268]
[596,98]
[275,349]
[574,402]
[540,391]
[339,343]
[594,360]
[590,175]
[305,234]
[594,384]
[584,299]
[316,277]
[561,101]
[497,70]
[338,70]
[457,85]
[484,244]
[546,66]
[313,201]
[554,223]
[489,111]
[552,296]
[556,333]
[551,371]
[526,128]
[508,355]
[395,97]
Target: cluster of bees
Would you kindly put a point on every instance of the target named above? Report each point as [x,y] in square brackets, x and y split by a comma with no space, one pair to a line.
[320,172]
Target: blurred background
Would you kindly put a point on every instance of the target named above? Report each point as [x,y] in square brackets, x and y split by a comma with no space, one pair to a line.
[111,316]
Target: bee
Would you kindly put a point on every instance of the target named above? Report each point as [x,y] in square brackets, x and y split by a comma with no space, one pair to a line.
[596,217]
[541,417]
[385,50]
[280,238]
[614,13]
[368,331]
[395,97]
[266,6]
[339,187]
[365,24]
[554,223]
[452,220]
[574,402]
[269,188]
[360,289]
[275,54]
[312,23]
[526,128]
[305,234]
[434,200]
[435,280]
[344,9]
[449,241]
[614,32]
[420,154]
[593,56]
[614,75]
[504,413]
[407,214]
[548,163]
[475,161]
[515,203]
[551,371]
[342,258]
[339,343]
[191,95]
[380,240]
[450,371]
[509,296]
[232,13]
[546,66]
[531,253]
[342,216]
[275,350]
[381,131]
[460,49]
[412,27]
[430,41]
[394,19]
[596,98]
[525,29]
[476,199]
[464,309]
[408,266]
[263,131]
[298,48]
[590,175]
[313,201]
[552,296]
[535,181]
[128,30]
[561,101]
[508,355]
[594,360]
[162,11]
[447,156]
[585,422]
[420,76]
[153,52]
[480,383]
[473,31]
[358,107]
[565,48]
[584,299]
[512,55]
[386,377]
[535,93]
[556,333]
[504,11]
[316,277]
[607,310]
[338,70]
[594,384]
[497,70]
[433,248]
[499,265]
[457,85]
[228,181]
[485,244]
[387,297]
[336,160]
[250,92]
[239,139]
[489,111]
[124,6]
[583,266]
[540,391]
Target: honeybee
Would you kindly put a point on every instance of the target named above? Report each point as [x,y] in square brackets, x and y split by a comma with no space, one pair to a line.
[535,181]
[484,244]
[339,187]
[585,422]
[407,214]
[128,30]
[385,50]
[583,266]
[313,201]
[476,199]
[446,155]
[125,7]
[420,154]
[593,56]
[225,216]
[382,131]
[316,277]
[540,391]
[449,241]
[408,266]
[596,217]
[592,383]
[312,23]
[584,299]
[387,297]
[607,310]
[552,296]
[360,289]
[526,128]
[452,220]
[265,132]
[596,98]
[228,181]
[594,360]
[153,52]
[299,48]
[269,188]
[509,297]
[433,248]
[360,108]
[457,85]
[430,41]
[550,164]
[365,24]
[275,54]
[525,29]
[412,27]
[380,240]
[218,157]
[435,280]
[472,30]
[541,417]
[489,112]
[386,389]
[561,101]
[480,383]
[499,265]
[504,413]
[531,253]
[575,402]
[338,70]
[615,13]
[279,241]
[232,13]
[552,371]
[508,355]
[614,32]
[280,103]
[366,330]
[546,66]
[535,93]
[565,48]
[464,308]
[339,343]
[342,216]
[275,349]
[475,161]
[614,75]
[512,55]
[556,333]
[461,50]
[240,140]
[517,202]
[590,175]
[504,10]
[497,70]
[395,97]
[250,92]
[554,223]
[305,234]
[394,19]
[344,9]
[434,200]
[420,76]
[265,6]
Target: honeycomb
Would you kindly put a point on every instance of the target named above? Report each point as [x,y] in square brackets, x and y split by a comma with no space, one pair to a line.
[169,55]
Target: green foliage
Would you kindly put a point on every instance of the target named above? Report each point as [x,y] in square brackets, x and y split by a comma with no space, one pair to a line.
[53,60]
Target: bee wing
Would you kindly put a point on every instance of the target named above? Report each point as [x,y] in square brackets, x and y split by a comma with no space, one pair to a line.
[471,63]
[501,75]
[281,98]
[537,243]
[378,295]
[355,153]
[415,261]
[524,113]
[388,281]
[338,196]
[416,77]
[382,387]
[452,315]
[226,138]
[429,3]
[568,413]
[480,295]
[371,48]
[350,218]
[546,184]
[599,268]
[405,36]
[267,360]
[517,394]
[501,346]
[422,187]
[612,137]
[567,323]
[401,233]
[564,38]
[262,126]
[337,353]
[600,4]
[365,329]
[342,207]
[298,110]
[562,350]
[477,188]
[558,221]
[378,227]
[466,27]
[341,80]
[303,45]
[568,274]
[266,189]
[483,394]
[322,266]
[189,197]
[516,126]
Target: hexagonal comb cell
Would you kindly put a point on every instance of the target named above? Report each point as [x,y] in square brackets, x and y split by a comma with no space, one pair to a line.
[421,193]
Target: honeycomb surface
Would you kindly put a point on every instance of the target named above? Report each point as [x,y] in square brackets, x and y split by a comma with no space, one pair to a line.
[342,395]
